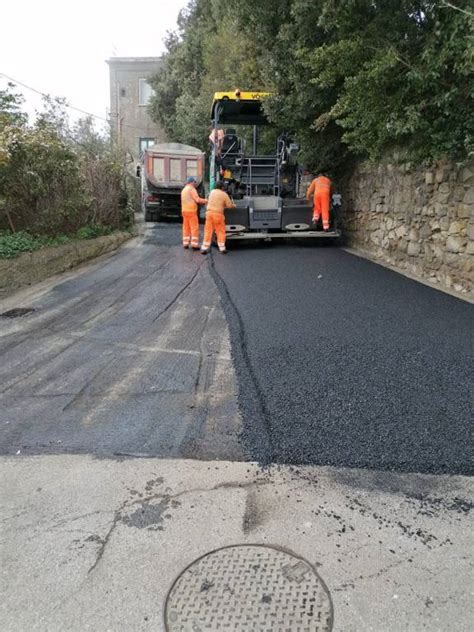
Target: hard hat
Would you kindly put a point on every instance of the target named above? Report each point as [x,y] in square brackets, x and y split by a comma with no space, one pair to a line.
[190,179]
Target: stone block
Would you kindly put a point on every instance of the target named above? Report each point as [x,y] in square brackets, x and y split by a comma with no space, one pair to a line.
[425,231]
[469,196]
[437,251]
[464,211]
[452,259]
[440,175]
[413,249]
[467,175]
[470,248]
[443,198]
[429,177]
[444,188]
[413,235]
[470,231]
[455,243]
[458,194]
[401,231]
[444,223]
[376,237]
[439,209]
[455,228]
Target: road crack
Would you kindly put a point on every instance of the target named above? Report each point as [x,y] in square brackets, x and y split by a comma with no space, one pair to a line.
[164,499]
[178,295]
[105,540]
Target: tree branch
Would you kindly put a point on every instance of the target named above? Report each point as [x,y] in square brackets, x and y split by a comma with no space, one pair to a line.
[449,5]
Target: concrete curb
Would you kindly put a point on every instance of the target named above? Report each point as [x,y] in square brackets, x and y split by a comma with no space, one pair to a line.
[33,267]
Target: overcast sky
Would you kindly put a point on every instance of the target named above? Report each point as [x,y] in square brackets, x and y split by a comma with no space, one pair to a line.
[60,46]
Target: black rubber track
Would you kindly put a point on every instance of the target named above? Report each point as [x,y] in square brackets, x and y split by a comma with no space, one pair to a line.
[343,362]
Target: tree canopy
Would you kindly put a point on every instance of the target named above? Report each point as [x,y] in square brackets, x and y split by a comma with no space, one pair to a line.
[349,77]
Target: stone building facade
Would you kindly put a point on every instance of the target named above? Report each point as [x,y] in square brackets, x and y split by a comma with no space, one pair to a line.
[129,96]
[418,219]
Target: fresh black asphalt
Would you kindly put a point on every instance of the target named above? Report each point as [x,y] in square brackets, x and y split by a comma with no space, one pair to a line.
[343,362]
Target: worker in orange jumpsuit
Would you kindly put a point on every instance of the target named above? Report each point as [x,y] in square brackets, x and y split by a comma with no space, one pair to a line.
[190,201]
[320,188]
[215,219]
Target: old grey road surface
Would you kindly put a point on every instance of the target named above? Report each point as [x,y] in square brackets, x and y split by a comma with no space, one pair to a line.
[130,357]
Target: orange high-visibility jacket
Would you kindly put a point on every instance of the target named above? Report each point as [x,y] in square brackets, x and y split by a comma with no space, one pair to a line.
[218,201]
[319,185]
[190,199]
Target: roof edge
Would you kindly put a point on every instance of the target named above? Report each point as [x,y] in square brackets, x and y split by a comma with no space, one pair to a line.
[131,60]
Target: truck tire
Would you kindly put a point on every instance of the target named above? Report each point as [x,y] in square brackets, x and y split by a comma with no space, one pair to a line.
[148,215]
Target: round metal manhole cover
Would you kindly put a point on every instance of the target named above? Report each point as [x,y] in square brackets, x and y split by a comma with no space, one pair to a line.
[249,587]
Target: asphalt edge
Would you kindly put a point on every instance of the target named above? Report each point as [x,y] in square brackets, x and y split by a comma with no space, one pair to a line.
[468,298]
[250,398]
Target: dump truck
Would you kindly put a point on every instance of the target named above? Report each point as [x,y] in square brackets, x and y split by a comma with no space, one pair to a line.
[163,173]
[264,185]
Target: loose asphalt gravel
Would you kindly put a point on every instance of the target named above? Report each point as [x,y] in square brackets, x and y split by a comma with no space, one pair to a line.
[343,362]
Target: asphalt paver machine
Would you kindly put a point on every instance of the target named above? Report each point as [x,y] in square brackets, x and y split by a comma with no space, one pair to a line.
[264,186]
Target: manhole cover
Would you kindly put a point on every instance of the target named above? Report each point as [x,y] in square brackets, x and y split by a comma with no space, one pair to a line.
[246,587]
[17,312]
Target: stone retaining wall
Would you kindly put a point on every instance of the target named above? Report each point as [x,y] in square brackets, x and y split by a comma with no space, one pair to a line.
[418,219]
[32,267]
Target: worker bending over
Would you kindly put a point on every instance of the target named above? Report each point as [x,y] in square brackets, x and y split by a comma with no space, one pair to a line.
[190,201]
[320,187]
[215,219]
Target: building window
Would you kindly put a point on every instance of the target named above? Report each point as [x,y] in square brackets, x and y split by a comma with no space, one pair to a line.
[145,143]
[123,92]
[145,91]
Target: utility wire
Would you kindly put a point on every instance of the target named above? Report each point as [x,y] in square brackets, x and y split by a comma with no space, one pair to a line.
[59,100]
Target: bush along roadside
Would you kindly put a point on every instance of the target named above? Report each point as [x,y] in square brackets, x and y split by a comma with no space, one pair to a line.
[56,179]
[13,244]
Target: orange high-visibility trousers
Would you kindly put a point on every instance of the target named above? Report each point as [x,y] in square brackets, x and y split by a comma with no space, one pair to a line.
[321,207]
[214,222]
[190,229]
